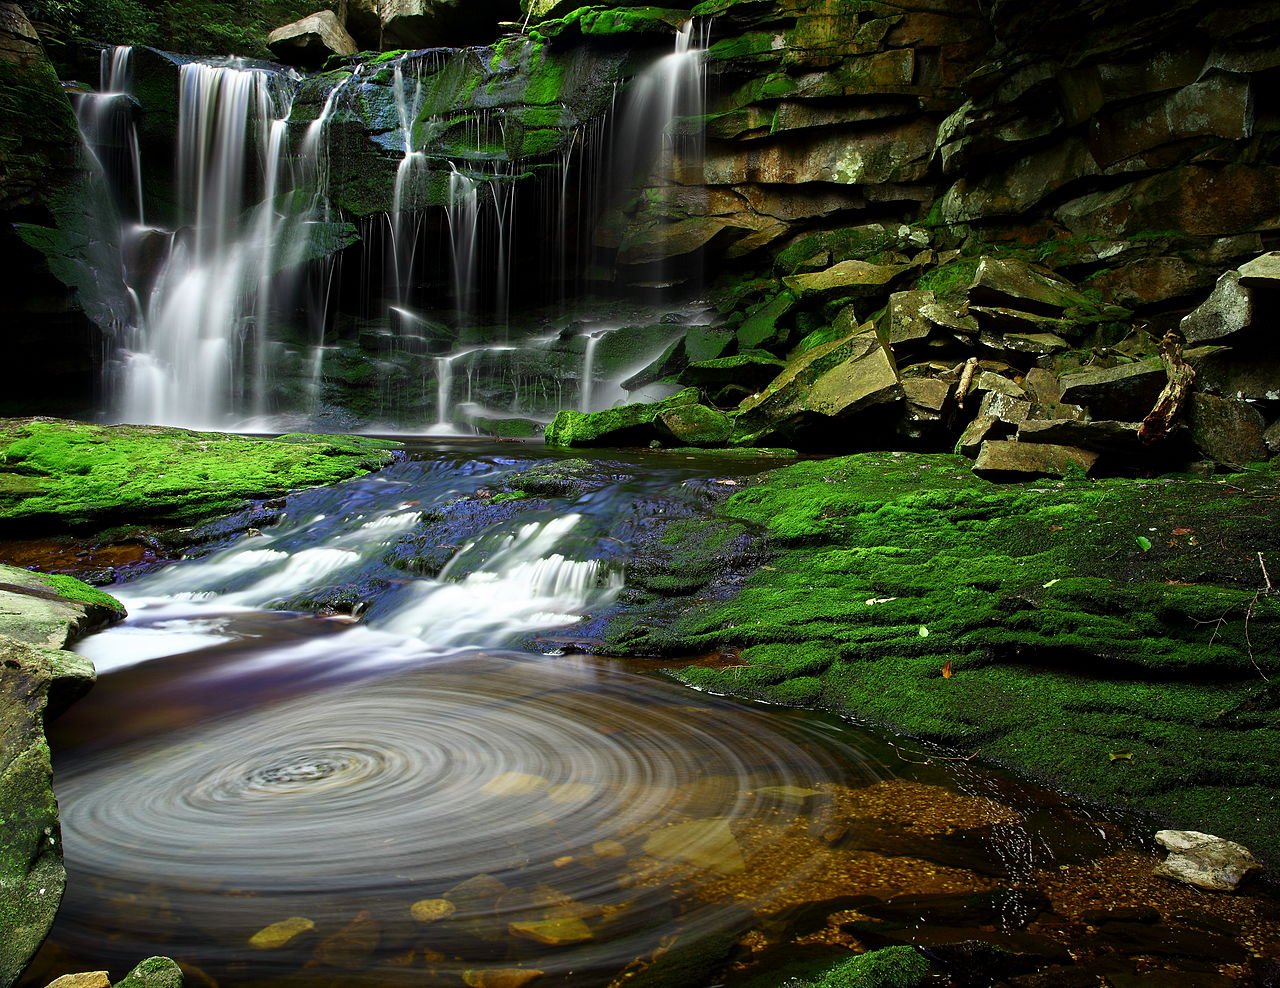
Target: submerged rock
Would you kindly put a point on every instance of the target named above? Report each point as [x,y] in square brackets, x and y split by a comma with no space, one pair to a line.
[281,934]
[1205,861]
[553,932]
[432,910]
[500,977]
[706,844]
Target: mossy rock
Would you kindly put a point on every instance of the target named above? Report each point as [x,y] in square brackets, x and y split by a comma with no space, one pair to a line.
[58,475]
[627,425]
[889,967]
[697,425]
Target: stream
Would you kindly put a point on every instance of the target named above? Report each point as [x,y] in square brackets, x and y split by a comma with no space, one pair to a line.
[332,753]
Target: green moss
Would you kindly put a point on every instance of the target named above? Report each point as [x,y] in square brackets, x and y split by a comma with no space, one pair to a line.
[1066,640]
[890,967]
[950,281]
[57,474]
[73,589]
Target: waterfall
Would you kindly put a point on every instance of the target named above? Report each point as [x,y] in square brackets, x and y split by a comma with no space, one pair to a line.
[107,121]
[411,175]
[463,214]
[444,390]
[654,145]
[588,372]
[211,300]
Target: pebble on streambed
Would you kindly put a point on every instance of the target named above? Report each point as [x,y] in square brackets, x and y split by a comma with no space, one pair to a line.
[281,934]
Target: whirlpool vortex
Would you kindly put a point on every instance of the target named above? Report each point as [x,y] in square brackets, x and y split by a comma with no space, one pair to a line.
[571,816]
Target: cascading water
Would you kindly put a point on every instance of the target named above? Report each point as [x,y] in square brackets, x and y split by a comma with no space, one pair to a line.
[107,120]
[183,362]
[464,215]
[659,141]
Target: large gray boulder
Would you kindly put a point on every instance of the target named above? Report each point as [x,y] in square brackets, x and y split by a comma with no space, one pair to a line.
[1228,310]
[310,41]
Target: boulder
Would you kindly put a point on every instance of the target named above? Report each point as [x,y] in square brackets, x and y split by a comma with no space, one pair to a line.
[860,279]
[1205,861]
[154,972]
[1227,430]
[1227,311]
[905,319]
[1272,438]
[1099,436]
[87,979]
[760,329]
[1010,284]
[1126,392]
[1262,272]
[1003,460]
[977,432]
[310,41]
[627,425]
[834,380]
[752,370]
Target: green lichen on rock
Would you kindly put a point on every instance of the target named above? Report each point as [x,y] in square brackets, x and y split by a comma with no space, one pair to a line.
[1074,621]
[57,474]
[890,967]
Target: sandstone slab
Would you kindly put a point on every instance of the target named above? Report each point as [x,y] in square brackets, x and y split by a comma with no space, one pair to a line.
[1003,460]
[310,41]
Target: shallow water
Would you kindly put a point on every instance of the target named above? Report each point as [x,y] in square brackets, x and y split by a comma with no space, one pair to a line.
[241,763]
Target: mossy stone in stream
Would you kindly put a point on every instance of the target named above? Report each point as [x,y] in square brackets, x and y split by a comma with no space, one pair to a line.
[154,972]
[890,967]
[627,425]
[1109,637]
[57,474]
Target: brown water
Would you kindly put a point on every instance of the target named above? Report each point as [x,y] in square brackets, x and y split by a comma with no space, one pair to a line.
[429,815]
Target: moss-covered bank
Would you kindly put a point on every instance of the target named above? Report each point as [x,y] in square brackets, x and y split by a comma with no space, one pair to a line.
[57,475]
[1118,638]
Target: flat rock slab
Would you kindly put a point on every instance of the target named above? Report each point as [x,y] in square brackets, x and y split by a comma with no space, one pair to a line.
[706,844]
[1000,459]
[1227,311]
[310,41]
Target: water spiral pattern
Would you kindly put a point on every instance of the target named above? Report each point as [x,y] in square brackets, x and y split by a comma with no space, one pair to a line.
[400,790]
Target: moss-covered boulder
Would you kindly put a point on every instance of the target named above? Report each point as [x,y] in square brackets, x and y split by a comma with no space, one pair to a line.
[57,475]
[890,967]
[39,617]
[627,425]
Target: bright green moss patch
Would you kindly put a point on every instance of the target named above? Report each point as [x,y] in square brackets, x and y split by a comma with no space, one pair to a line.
[890,967]
[73,589]
[57,474]
[1022,621]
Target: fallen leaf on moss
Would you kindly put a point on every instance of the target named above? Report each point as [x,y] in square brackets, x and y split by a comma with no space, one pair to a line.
[946,669]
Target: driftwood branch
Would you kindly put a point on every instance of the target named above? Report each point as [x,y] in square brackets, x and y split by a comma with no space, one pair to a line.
[1177,390]
[966,380]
